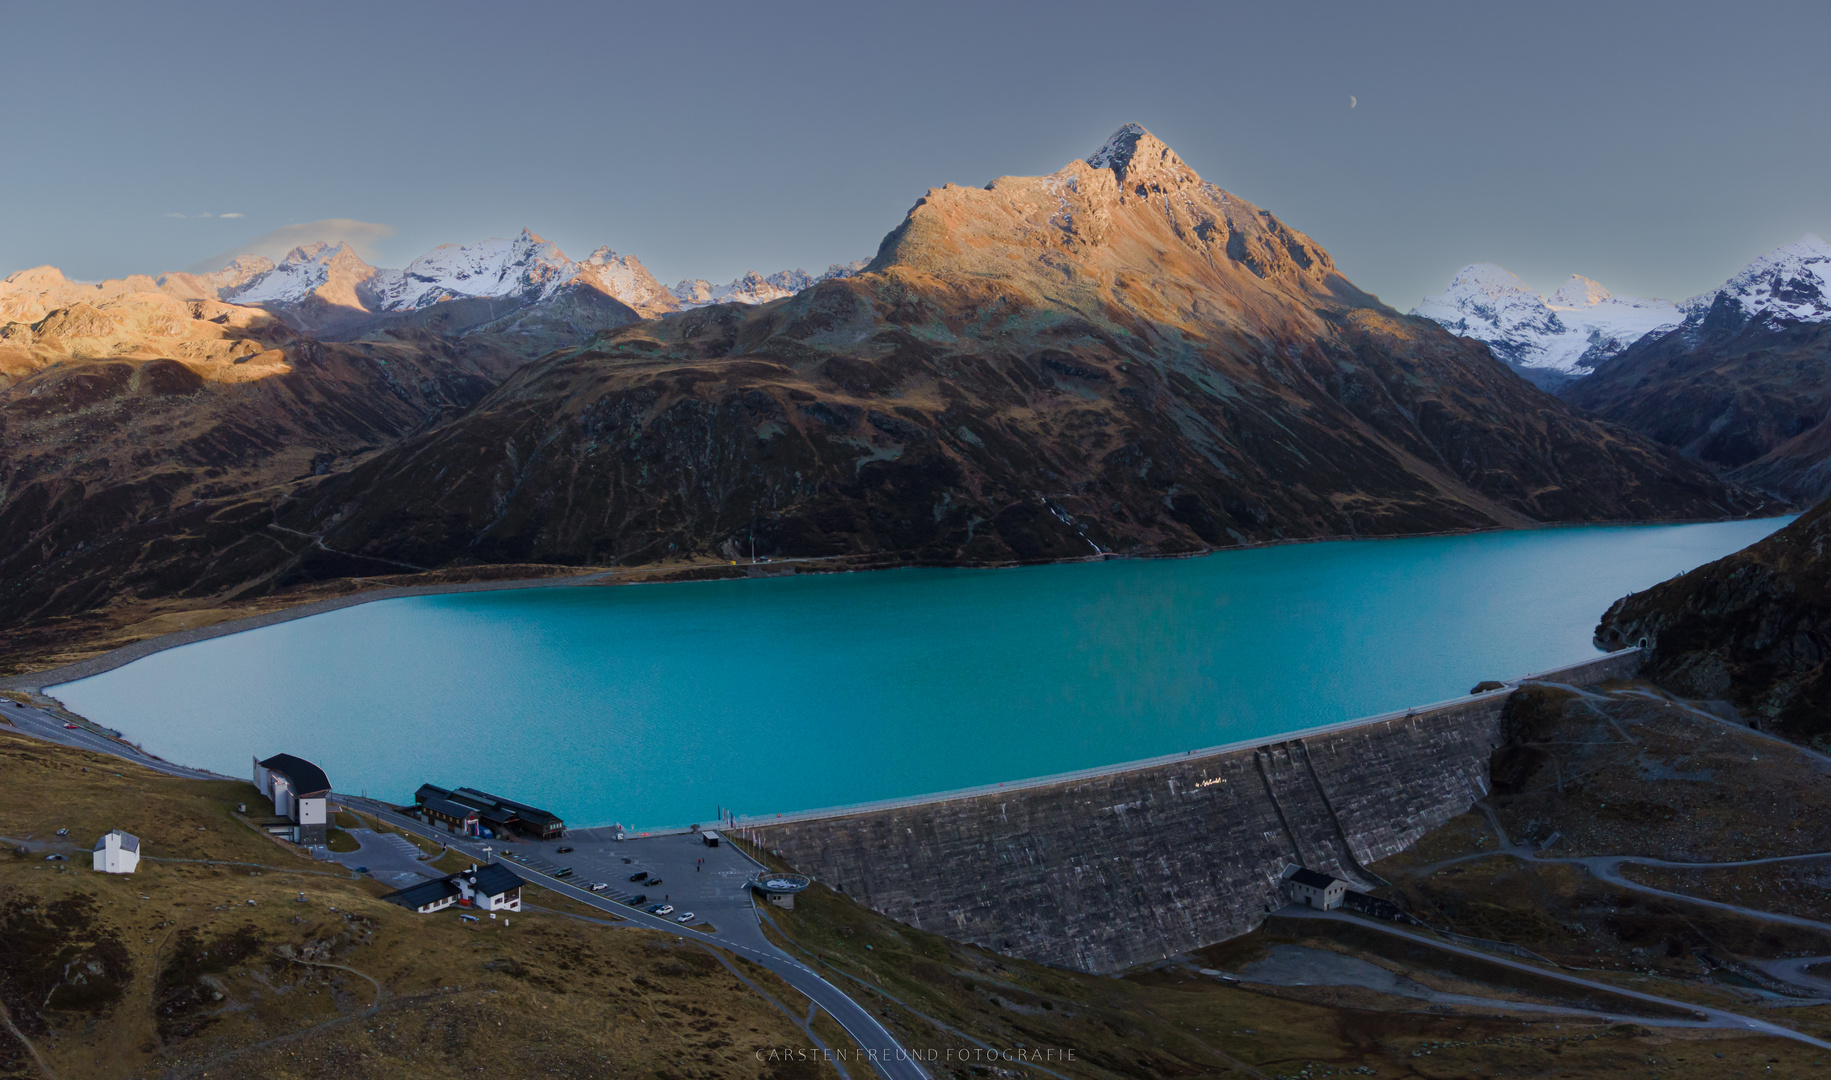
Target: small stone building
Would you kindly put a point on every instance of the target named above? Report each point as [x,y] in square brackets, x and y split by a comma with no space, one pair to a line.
[117,852]
[1311,889]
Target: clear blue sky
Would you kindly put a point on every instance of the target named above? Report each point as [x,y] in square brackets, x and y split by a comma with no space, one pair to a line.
[1653,147]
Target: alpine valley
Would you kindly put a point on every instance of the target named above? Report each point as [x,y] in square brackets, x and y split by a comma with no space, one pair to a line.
[1737,377]
[1117,358]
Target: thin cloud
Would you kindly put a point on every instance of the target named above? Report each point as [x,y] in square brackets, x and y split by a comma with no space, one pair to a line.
[231,215]
[362,237]
[206,215]
[179,216]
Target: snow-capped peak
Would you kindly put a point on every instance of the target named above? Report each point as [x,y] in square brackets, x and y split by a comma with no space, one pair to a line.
[526,268]
[754,288]
[1579,292]
[1791,282]
[1549,340]
[304,271]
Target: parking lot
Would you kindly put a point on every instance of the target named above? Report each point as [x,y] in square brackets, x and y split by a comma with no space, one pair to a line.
[707,881]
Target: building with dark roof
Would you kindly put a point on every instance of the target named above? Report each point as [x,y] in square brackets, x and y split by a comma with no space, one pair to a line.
[116,852]
[499,815]
[299,790]
[492,887]
[1311,889]
[532,820]
[455,816]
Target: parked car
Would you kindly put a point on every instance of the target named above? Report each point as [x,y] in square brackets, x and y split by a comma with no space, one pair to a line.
[565,851]
[640,875]
[564,871]
[662,909]
[362,869]
[652,882]
[599,886]
[688,917]
[626,858]
[637,900]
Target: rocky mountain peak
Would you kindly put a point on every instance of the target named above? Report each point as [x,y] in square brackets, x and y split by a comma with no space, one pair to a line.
[1791,283]
[310,271]
[1141,162]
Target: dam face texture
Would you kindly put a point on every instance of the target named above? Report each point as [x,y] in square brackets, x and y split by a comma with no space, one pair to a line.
[1099,873]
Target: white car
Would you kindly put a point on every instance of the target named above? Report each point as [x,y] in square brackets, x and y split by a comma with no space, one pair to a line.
[599,886]
[688,917]
[664,909]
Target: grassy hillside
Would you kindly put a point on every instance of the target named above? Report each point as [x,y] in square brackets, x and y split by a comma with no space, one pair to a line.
[208,962]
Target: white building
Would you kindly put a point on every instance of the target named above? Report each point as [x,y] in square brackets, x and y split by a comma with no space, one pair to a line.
[1311,889]
[299,791]
[117,853]
[481,888]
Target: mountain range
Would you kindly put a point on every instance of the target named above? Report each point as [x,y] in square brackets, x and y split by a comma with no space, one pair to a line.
[1548,339]
[1117,358]
[1737,377]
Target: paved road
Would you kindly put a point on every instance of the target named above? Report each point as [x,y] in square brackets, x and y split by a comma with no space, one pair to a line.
[1713,1017]
[713,890]
[50,727]
[390,858]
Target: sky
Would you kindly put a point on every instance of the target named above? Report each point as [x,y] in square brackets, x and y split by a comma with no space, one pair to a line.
[1656,148]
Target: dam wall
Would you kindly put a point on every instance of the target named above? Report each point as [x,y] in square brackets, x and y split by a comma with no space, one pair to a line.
[1103,869]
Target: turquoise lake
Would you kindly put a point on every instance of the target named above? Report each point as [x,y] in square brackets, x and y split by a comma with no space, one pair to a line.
[653,705]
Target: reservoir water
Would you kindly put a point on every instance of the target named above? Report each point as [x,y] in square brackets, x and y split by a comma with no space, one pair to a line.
[653,705]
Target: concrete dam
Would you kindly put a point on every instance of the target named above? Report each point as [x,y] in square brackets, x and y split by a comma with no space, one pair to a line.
[1103,869]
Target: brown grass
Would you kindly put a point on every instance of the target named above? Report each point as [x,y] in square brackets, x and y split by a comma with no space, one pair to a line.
[121,975]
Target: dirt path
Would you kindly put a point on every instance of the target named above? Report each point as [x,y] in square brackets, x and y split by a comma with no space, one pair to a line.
[1712,1017]
[43,1065]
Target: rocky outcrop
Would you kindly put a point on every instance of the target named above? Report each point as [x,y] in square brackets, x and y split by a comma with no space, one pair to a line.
[1753,628]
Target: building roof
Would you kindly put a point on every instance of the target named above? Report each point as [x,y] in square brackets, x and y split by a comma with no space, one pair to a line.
[526,812]
[1306,876]
[492,879]
[426,892]
[129,842]
[307,779]
[448,808]
[431,791]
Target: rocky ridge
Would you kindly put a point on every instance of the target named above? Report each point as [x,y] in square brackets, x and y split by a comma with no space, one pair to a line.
[1743,384]
[1114,359]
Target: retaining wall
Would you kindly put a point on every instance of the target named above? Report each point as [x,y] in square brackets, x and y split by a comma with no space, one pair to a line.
[1106,869]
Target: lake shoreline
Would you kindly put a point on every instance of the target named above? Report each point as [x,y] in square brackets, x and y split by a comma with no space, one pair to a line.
[673,702]
[35,682]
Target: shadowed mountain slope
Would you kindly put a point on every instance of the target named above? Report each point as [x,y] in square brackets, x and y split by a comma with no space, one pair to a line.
[1744,385]
[1754,628]
[1118,357]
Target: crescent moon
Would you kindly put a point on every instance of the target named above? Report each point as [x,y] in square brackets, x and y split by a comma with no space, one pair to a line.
[1352,102]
